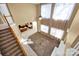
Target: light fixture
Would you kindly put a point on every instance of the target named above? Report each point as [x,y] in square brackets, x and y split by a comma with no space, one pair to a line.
[40,18]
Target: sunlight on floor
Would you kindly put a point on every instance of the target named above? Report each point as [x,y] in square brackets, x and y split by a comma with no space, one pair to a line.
[24,41]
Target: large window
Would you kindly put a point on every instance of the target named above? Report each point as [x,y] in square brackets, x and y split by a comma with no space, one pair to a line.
[44,28]
[57,33]
[46,10]
[62,11]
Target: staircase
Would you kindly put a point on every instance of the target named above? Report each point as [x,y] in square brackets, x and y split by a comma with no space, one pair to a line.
[8,44]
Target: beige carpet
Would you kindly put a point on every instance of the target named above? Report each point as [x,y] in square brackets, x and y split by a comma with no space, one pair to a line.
[43,45]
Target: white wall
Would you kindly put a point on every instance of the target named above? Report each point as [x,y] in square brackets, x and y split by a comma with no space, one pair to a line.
[74,29]
[23,13]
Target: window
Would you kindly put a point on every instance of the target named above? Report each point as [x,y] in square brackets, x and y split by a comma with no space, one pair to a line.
[46,10]
[4,10]
[62,11]
[57,33]
[44,28]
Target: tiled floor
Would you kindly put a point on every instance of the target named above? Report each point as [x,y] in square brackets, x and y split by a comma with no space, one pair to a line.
[43,45]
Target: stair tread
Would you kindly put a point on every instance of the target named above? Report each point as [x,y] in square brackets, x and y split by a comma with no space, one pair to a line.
[4,38]
[4,31]
[20,54]
[5,34]
[12,50]
[8,44]
[6,41]
[11,47]
[16,53]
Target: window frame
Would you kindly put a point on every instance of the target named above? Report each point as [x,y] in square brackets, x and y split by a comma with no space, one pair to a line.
[44,29]
[69,15]
[52,11]
[54,34]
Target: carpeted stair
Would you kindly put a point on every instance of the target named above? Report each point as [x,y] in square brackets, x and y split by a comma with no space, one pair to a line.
[8,44]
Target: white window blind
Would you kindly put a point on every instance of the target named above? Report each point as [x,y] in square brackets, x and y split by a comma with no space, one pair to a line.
[44,28]
[46,10]
[57,33]
[62,11]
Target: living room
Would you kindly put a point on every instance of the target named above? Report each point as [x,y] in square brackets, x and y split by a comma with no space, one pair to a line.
[43,28]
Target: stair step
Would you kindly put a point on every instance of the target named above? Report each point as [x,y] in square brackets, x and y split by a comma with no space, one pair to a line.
[8,44]
[7,40]
[6,50]
[4,31]
[11,47]
[12,51]
[5,34]
[20,54]
[16,52]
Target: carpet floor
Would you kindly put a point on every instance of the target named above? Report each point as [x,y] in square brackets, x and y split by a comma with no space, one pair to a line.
[43,45]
